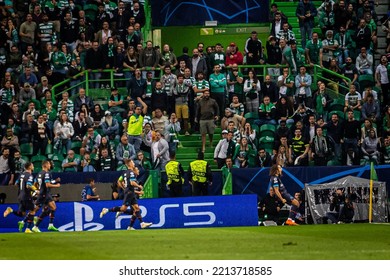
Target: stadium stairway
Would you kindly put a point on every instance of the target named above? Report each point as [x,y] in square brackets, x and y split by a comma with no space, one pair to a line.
[190,145]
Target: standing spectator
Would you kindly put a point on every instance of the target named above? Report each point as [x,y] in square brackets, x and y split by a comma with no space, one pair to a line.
[352,136]
[131,39]
[218,58]
[254,50]
[350,71]
[149,59]
[363,35]
[218,86]
[382,78]
[234,56]
[371,109]
[182,95]
[167,57]
[314,50]
[197,64]
[294,57]
[345,44]
[335,132]
[225,148]
[27,33]
[82,99]
[69,32]
[137,86]
[207,113]
[138,13]
[303,87]
[267,112]
[94,61]
[169,82]
[63,132]
[41,139]
[306,12]
[270,89]
[329,49]
[7,168]
[300,148]
[277,23]
[91,141]
[320,148]
[159,152]
[275,56]
[171,130]
[285,33]
[106,162]
[135,125]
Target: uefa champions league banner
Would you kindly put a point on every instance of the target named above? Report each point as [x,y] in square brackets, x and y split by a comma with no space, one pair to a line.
[207,211]
[196,12]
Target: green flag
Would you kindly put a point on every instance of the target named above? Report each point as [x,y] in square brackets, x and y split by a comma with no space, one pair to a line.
[373,175]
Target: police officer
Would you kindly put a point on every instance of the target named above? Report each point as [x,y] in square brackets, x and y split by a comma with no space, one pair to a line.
[175,175]
[200,176]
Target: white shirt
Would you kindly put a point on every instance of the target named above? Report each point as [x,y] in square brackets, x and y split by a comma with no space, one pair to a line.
[382,70]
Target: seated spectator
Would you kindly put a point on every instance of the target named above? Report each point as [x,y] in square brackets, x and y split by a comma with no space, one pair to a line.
[105,143]
[28,77]
[364,62]
[42,87]
[159,120]
[27,131]
[69,106]
[284,110]
[41,136]
[250,134]
[71,162]
[7,168]
[353,99]
[244,154]
[26,93]
[89,191]
[263,158]
[269,88]
[115,104]
[229,116]
[7,93]
[283,156]
[82,99]
[97,115]
[237,106]
[368,90]
[10,141]
[80,127]
[124,151]
[91,141]
[300,149]
[63,133]
[371,147]
[371,109]
[110,126]
[350,71]
[31,111]
[86,163]
[267,112]
[320,149]
[322,101]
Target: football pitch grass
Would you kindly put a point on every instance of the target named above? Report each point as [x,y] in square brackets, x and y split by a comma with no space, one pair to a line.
[309,242]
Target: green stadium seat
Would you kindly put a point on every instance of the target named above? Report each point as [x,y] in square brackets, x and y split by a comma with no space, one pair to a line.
[90,11]
[251,117]
[26,149]
[76,146]
[337,105]
[49,149]
[366,81]
[267,130]
[38,159]
[266,142]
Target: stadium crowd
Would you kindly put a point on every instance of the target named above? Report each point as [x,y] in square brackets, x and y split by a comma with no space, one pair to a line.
[280,118]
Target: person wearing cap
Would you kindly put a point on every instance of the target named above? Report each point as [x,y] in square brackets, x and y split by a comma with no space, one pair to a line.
[306,12]
[200,176]
[330,48]
[42,87]
[294,57]
[234,56]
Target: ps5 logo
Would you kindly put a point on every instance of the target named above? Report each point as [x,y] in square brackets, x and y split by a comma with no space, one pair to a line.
[83,217]
[202,218]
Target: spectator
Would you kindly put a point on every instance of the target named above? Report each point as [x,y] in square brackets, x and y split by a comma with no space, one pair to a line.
[267,112]
[218,58]
[234,56]
[82,99]
[28,77]
[224,149]
[171,130]
[97,115]
[237,106]
[330,48]
[10,141]
[182,95]
[352,136]
[110,126]
[322,101]
[169,82]
[91,141]
[270,206]
[371,109]
[124,151]
[364,62]
[7,168]
[198,64]
[27,33]
[353,99]
[230,115]
[149,59]
[306,12]
[80,127]
[320,148]
[285,33]
[71,162]
[300,149]
[294,57]
[382,78]
[252,89]
[41,136]
[27,132]
[345,44]
[303,92]
[263,158]
[254,50]
[371,147]
[314,50]
[63,133]
[94,61]
[335,132]
[277,22]
[284,110]
[270,89]
[159,152]
[105,161]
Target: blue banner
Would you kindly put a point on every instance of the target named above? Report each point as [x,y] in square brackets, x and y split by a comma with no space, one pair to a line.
[207,211]
[196,12]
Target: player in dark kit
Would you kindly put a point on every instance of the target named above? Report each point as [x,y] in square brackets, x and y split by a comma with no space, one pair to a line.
[25,198]
[281,191]
[45,200]
[132,188]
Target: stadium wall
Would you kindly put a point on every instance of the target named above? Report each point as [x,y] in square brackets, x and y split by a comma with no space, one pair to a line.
[187,212]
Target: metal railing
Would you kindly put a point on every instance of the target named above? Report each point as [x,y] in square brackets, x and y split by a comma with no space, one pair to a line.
[111,79]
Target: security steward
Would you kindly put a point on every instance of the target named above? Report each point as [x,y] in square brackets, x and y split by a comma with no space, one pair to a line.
[175,174]
[200,176]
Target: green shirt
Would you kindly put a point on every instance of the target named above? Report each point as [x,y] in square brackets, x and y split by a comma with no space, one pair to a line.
[314,51]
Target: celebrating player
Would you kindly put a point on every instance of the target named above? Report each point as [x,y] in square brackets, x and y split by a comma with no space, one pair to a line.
[132,188]
[281,191]
[25,198]
[45,182]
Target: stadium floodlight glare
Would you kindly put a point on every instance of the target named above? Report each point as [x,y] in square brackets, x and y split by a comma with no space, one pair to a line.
[211,23]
